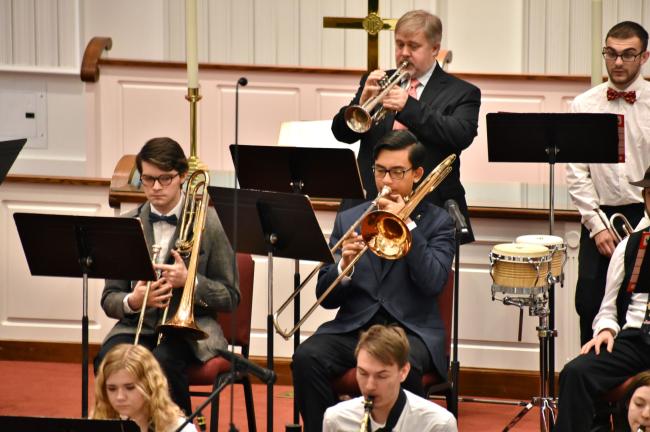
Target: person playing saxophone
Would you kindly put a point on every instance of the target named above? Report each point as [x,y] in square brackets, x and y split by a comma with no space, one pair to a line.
[382,365]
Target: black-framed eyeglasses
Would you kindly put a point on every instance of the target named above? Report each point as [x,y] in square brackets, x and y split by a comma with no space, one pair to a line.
[395,173]
[163,180]
[627,56]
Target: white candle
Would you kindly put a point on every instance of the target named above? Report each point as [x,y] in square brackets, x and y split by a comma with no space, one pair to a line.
[191,44]
[596,42]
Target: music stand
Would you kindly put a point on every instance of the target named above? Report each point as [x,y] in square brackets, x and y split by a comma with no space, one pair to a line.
[51,424]
[85,248]
[552,138]
[301,170]
[8,153]
[274,224]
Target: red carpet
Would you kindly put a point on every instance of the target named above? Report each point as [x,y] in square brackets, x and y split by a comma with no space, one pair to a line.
[54,390]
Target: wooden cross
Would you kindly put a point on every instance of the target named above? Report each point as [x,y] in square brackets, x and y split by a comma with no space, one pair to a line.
[372,24]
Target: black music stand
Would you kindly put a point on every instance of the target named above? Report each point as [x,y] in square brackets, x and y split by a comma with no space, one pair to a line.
[301,170]
[8,153]
[85,248]
[274,224]
[552,138]
[51,424]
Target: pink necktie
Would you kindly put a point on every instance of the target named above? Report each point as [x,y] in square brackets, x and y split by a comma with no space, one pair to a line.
[413,92]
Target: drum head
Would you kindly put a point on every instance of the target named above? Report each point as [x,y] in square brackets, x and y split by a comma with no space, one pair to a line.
[520,250]
[540,239]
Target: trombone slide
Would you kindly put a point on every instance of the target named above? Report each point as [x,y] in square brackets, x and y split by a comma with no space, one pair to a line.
[155,256]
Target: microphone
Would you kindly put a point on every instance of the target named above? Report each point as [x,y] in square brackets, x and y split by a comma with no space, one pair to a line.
[242,81]
[452,207]
[242,364]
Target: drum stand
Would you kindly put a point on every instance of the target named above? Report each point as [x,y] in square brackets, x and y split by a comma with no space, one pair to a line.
[537,306]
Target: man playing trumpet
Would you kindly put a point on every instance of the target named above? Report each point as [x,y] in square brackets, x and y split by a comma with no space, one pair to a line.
[380,291]
[163,168]
[439,109]
[382,365]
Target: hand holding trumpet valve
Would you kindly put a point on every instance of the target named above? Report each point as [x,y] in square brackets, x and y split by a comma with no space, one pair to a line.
[395,99]
[176,273]
[372,86]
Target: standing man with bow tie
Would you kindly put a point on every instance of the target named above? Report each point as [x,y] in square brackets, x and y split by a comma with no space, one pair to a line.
[605,188]
[163,168]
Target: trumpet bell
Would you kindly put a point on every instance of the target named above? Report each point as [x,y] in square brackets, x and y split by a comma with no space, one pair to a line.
[358,119]
[386,234]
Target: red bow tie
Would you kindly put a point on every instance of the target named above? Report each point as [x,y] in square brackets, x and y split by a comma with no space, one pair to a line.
[630,96]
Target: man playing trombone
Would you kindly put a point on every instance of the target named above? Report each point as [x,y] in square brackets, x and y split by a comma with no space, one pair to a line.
[439,109]
[380,291]
[163,168]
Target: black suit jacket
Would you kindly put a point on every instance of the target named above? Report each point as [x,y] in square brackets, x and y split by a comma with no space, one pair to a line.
[445,120]
[407,288]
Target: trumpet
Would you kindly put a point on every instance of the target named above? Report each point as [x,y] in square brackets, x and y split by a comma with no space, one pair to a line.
[193,218]
[155,254]
[383,232]
[367,409]
[626,227]
[360,118]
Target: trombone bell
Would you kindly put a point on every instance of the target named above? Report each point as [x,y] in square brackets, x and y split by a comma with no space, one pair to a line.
[386,234]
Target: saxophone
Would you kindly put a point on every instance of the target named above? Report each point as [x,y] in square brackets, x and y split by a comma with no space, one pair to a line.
[367,408]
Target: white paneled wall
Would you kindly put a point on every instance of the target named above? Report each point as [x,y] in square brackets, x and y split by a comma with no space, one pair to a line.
[497,36]
[40,34]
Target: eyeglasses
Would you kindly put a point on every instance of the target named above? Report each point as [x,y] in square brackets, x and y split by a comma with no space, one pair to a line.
[395,173]
[163,180]
[627,56]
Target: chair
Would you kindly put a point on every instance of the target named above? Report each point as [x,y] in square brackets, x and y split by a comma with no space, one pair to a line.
[346,384]
[214,369]
[618,411]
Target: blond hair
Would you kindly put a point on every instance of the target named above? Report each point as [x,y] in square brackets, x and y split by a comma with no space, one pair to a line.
[150,381]
[416,20]
[388,344]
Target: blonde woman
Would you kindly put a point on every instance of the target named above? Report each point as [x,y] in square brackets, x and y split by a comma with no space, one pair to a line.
[131,385]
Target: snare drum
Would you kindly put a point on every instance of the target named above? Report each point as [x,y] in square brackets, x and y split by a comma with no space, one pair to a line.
[555,244]
[520,268]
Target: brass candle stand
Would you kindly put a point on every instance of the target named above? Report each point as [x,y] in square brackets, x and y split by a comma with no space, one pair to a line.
[195,164]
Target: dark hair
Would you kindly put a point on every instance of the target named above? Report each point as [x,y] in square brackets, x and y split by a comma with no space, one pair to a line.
[386,343]
[165,153]
[401,139]
[628,29]
[641,379]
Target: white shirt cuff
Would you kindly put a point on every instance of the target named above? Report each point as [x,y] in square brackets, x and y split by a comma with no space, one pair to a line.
[125,304]
[411,225]
[346,279]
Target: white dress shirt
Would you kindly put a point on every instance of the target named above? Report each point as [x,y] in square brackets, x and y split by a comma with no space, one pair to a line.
[162,235]
[593,185]
[607,315]
[419,415]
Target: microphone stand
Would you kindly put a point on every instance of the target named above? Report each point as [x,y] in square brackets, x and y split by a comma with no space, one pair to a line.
[225,381]
[455,364]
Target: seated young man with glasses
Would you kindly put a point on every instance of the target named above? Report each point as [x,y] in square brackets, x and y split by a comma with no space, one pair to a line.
[604,188]
[163,168]
[380,291]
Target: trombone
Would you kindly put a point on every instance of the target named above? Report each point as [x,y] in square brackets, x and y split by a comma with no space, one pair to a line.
[383,232]
[360,118]
[626,227]
[155,254]
[195,207]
